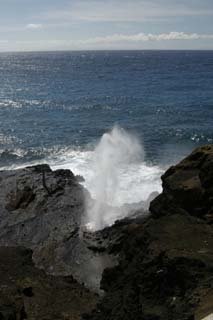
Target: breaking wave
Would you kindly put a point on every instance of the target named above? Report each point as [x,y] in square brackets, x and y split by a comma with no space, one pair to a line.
[115,173]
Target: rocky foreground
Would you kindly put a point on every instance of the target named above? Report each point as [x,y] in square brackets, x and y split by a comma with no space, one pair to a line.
[154,268]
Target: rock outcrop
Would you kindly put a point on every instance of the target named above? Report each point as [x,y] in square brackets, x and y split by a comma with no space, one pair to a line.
[156,267]
[188,187]
[43,210]
[166,267]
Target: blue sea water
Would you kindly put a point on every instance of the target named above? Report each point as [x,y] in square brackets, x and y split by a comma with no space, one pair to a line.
[51,101]
[55,106]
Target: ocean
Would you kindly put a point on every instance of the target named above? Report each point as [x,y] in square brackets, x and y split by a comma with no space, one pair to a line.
[55,108]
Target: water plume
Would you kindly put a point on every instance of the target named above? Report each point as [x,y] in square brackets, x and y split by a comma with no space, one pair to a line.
[116,151]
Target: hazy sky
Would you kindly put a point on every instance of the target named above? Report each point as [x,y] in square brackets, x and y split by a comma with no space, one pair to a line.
[105,24]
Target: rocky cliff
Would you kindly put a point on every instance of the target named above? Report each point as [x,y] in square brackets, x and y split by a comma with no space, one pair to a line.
[160,267]
[166,269]
[43,210]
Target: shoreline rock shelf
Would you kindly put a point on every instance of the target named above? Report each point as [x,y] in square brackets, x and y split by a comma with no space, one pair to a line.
[156,268]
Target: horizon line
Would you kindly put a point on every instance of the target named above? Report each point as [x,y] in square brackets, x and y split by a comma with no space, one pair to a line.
[98,50]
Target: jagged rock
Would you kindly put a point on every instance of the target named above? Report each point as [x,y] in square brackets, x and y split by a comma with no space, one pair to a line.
[28,293]
[43,210]
[165,272]
[165,269]
[166,262]
[20,199]
[188,186]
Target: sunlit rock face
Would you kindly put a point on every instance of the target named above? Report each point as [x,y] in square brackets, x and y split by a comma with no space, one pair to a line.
[209,317]
[188,187]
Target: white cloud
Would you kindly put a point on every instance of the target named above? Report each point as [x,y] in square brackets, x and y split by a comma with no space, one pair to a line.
[118,41]
[142,37]
[33,26]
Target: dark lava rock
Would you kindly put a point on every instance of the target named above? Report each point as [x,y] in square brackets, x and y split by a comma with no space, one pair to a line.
[166,262]
[166,272]
[164,267]
[43,210]
[188,187]
[28,293]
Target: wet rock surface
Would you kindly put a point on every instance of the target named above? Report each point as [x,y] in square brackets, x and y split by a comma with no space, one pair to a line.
[43,210]
[155,267]
[166,267]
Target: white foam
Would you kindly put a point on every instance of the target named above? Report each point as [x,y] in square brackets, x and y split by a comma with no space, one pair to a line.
[134,180]
[115,174]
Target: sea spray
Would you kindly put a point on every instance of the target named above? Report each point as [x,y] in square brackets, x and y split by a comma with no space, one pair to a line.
[116,150]
[115,173]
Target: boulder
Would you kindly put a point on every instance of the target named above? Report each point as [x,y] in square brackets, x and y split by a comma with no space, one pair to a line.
[43,210]
[188,187]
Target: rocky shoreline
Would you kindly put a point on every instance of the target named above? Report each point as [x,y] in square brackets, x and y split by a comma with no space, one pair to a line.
[152,268]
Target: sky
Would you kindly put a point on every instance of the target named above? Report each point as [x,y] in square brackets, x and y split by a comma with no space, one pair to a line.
[29,25]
